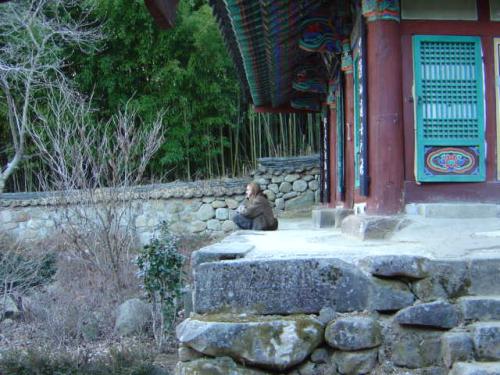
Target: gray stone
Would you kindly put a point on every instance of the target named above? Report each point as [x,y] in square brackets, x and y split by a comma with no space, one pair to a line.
[355,363]
[323,217]
[186,354]
[299,186]
[281,286]
[321,355]
[270,195]
[437,314]
[222,213]
[208,199]
[311,368]
[262,181]
[390,295]
[447,279]
[274,188]
[8,308]
[213,224]
[409,266]
[317,196]
[290,195]
[314,185]
[480,308]
[485,277]
[228,226]
[353,333]
[277,179]
[486,338]
[232,203]
[370,227]
[272,342]
[415,348]
[196,227]
[215,366]
[305,200]
[292,177]
[308,178]
[456,347]
[132,317]
[462,368]
[206,212]
[326,315]
[285,187]
[218,204]
[280,203]
[219,251]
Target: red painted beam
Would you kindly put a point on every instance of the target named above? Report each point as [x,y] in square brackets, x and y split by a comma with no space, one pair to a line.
[163,12]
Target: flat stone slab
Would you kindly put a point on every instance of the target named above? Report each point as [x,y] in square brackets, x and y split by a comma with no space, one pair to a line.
[462,368]
[290,286]
[353,333]
[220,251]
[485,276]
[272,342]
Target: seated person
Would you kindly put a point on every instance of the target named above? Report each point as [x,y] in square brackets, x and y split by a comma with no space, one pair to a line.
[256,213]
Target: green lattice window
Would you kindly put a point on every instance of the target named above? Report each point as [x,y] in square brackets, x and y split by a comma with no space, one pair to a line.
[449,109]
[357,119]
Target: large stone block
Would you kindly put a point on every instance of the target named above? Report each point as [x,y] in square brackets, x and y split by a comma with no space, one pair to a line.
[367,227]
[446,279]
[299,186]
[415,348]
[408,266]
[281,286]
[287,286]
[437,314]
[485,277]
[215,366]
[486,338]
[304,200]
[352,333]
[264,341]
[456,347]
[480,308]
[206,212]
[355,363]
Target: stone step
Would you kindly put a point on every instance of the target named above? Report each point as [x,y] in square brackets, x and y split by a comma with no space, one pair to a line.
[475,368]
[479,308]
[486,338]
[454,210]
[484,276]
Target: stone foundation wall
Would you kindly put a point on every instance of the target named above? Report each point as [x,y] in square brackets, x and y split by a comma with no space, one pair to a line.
[381,315]
[189,207]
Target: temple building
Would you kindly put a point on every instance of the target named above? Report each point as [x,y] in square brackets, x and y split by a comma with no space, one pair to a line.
[408,90]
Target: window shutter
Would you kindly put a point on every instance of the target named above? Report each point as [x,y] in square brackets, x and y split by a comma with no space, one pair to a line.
[449,108]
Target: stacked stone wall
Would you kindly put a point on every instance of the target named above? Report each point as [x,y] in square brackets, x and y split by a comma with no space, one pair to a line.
[189,207]
[380,315]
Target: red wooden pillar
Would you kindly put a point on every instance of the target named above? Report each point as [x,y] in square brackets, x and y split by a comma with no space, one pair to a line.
[385,114]
[349,140]
[333,156]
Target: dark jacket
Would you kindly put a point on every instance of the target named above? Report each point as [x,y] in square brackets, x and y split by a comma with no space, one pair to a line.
[259,210]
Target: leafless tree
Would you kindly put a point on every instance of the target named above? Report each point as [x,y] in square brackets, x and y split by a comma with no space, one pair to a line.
[33,37]
[92,166]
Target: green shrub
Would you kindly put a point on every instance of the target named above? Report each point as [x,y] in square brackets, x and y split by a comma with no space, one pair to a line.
[160,267]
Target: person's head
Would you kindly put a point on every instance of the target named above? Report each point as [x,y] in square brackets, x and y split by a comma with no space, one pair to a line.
[252,190]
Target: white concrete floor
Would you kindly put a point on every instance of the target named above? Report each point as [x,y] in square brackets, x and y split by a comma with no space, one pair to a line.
[432,238]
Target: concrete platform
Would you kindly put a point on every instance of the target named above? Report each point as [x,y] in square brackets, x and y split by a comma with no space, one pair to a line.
[429,237]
